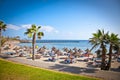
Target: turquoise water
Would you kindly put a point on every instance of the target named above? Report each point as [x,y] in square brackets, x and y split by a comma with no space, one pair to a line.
[60,44]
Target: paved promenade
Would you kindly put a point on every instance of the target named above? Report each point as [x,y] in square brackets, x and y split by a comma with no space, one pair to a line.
[114,74]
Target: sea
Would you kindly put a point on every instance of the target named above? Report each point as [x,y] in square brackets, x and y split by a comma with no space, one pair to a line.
[60,44]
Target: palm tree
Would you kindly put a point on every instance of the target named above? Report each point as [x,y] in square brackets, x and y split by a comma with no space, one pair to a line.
[33,32]
[2,28]
[3,40]
[114,41]
[99,39]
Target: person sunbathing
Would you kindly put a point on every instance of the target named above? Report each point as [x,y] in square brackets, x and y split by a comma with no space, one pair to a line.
[52,59]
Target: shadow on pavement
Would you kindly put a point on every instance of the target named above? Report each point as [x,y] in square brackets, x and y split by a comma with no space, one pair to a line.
[72,69]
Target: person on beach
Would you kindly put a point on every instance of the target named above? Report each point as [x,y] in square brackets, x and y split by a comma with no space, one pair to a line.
[52,53]
[68,54]
[68,60]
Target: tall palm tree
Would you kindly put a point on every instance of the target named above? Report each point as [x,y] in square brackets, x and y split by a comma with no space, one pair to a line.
[99,39]
[32,33]
[114,41]
[2,28]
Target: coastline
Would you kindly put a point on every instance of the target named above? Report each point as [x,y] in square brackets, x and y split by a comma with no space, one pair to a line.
[79,67]
[52,41]
[60,44]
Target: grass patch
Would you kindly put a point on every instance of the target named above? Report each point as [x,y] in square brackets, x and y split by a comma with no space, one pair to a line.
[13,71]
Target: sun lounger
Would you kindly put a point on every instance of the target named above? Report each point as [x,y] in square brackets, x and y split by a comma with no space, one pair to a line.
[37,56]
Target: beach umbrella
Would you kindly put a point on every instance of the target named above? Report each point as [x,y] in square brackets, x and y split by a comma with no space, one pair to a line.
[87,50]
[54,48]
[58,52]
[65,49]
[44,47]
[7,48]
[70,51]
[41,50]
[25,47]
[77,54]
[75,49]
[21,47]
[80,51]
[16,48]
[28,50]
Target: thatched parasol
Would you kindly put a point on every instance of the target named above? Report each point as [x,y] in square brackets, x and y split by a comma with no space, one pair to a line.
[87,50]
[41,50]
[7,48]
[80,51]
[70,51]
[44,47]
[65,49]
[54,48]
[16,48]
[75,49]
[76,53]
[58,52]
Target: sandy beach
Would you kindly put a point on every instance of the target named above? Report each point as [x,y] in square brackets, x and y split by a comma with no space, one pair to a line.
[79,67]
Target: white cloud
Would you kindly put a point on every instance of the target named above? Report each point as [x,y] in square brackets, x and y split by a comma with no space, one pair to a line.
[14,27]
[49,29]
[26,26]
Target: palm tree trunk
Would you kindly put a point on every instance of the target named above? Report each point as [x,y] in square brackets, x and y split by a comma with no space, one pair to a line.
[0,39]
[110,57]
[103,57]
[33,45]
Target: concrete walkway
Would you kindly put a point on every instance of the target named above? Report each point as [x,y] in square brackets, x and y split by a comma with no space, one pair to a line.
[105,75]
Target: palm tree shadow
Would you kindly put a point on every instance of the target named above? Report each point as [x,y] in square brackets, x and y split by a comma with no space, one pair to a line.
[115,69]
[62,62]
[72,69]
[5,56]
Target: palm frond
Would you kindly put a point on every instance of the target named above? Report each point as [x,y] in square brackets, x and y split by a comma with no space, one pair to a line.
[1,22]
[39,27]
[2,26]
[32,30]
[30,35]
[33,26]
[40,34]
[37,30]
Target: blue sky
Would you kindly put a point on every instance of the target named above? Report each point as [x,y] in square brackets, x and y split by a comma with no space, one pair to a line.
[61,19]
